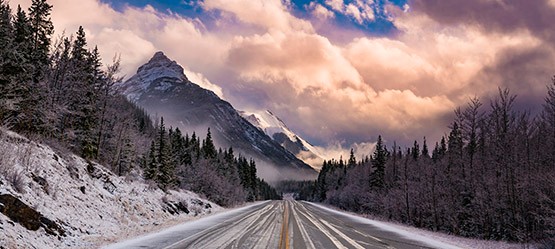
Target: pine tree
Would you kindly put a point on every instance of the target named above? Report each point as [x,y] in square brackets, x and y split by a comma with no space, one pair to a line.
[208,148]
[455,146]
[79,53]
[166,168]
[83,94]
[6,59]
[151,171]
[41,32]
[6,28]
[352,160]
[177,146]
[252,174]
[93,80]
[415,151]
[23,45]
[28,91]
[442,147]
[321,182]
[377,178]
[435,153]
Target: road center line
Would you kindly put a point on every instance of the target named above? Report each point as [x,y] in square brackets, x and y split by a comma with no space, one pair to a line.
[284,228]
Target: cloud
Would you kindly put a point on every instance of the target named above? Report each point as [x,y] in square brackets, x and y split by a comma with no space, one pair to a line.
[406,8]
[456,56]
[320,11]
[338,150]
[268,14]
[499,16]
[343,85]
[203,82]
[360,10]
[336,5]
[299,59]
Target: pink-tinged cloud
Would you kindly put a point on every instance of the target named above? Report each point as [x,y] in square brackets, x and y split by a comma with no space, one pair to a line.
[268,14]
[319,11]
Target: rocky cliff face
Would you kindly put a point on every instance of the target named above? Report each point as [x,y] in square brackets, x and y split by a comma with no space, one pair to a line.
[162,89]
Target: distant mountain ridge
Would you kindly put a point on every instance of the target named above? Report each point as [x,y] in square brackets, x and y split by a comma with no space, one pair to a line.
[162,89]
[275,128]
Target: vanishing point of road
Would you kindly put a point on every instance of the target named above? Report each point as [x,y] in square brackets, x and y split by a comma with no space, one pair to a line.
[278,224]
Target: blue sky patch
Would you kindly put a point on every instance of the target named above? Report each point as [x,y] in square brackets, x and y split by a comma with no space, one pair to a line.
[380,26]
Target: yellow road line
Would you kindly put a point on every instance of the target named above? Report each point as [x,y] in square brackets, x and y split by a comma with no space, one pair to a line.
[284,229]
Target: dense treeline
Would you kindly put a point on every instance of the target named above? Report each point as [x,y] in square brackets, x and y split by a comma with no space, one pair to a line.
[492,177]
[60,93]
[177,160]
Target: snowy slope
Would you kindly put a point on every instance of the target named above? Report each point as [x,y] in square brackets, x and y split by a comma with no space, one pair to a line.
[275,128]
[92,205]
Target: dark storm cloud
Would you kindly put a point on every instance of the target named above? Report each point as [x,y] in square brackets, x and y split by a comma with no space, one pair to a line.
[494,15]
[524,71]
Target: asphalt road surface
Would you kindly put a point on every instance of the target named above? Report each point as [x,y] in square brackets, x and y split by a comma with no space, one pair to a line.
[280,224]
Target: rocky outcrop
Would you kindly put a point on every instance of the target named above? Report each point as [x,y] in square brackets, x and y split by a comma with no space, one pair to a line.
[28,217]
[176,207]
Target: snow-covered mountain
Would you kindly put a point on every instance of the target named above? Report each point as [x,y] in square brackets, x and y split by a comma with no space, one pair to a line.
[162,89]
[274,127]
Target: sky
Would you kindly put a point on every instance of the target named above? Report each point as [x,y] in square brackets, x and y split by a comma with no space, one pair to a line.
[337,72]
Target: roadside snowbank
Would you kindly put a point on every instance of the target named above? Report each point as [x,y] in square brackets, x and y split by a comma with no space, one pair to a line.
[93,205]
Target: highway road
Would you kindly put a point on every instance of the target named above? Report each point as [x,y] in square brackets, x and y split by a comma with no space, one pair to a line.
[281,224]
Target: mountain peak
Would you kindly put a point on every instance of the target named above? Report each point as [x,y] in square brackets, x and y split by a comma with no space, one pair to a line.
[162,66]
[158,73]
[159,55]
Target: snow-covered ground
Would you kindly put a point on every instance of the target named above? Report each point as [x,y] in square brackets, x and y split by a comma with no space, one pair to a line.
[94,206]
[435,239]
